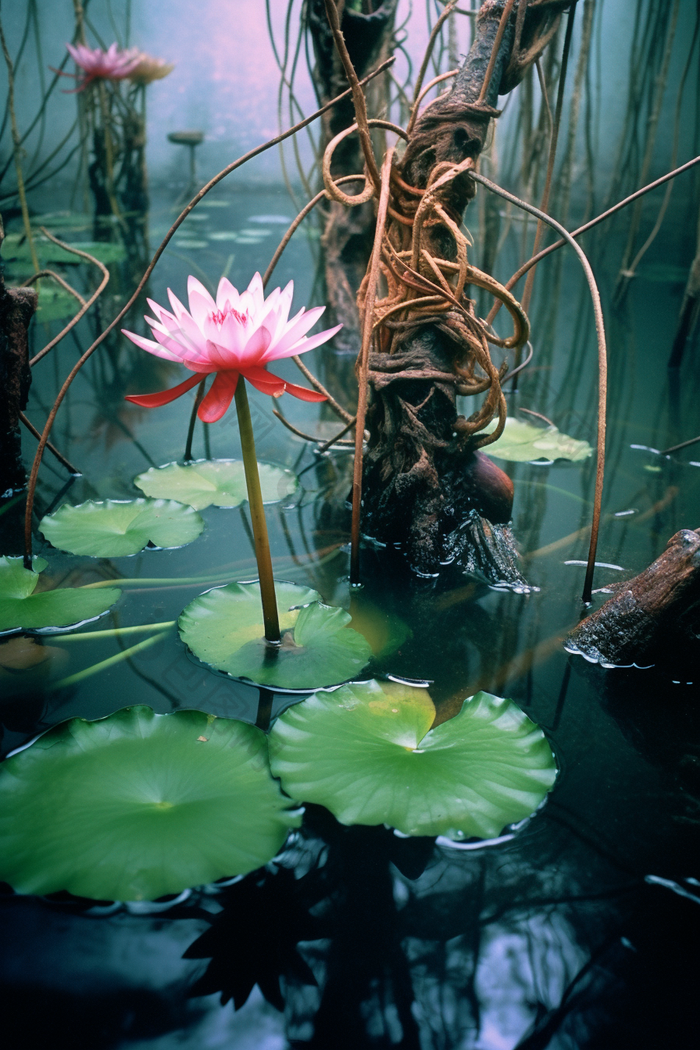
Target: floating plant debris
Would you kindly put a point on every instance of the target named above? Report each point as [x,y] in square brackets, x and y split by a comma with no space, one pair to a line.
[366,751]
[115,528]
[523,442]
[22,608]
[218,481]
[138,805]
[224,628]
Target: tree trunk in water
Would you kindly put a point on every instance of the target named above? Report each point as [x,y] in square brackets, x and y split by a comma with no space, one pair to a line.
[424,487]
[348,233]
[16,308]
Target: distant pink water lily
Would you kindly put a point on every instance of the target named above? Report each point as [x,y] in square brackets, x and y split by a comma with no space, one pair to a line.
[96,64]
[239,334]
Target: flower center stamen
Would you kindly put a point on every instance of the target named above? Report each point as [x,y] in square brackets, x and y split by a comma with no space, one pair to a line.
[219,316]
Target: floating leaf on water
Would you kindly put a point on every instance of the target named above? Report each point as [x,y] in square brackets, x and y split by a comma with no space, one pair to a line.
[224,628]
[55,303]
[22,608]
[194,244]
[366,751]
[523,442]
[223,235]
[48,252]
[217,481]
[115,528]
[137,805]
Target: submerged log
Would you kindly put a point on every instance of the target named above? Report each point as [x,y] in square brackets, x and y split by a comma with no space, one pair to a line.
[17,306]
[655,614]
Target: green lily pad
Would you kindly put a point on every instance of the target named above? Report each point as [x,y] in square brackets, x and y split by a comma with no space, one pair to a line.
[22,608]
[367,752]
[16,247]
[224,628]
[137,805]
[115,528]
[55,304]
[217,481]
[523,442]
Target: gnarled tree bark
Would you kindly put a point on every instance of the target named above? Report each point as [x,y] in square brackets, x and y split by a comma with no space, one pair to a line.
[424,487]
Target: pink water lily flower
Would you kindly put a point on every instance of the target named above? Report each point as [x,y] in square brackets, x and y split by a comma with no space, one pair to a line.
[111,64]
[238,335]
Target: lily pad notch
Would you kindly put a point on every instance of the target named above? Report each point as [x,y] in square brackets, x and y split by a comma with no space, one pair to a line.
[367,753]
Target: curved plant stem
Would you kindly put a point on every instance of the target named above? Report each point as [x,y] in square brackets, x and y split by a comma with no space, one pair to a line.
[257,515]
[495,49]
[52,448]
[588,226]
[31,485]
[114,632]
[17,151]
[363,365]
[193,419]
[544,203]
[602,365]
[88,672]
[85,305]
[358,96]
[417,94]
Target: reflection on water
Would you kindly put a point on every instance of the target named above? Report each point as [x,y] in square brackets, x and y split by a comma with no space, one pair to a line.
[550,938]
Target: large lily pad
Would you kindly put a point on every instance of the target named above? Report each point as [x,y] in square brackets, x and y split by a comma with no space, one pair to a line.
[23,608]
[224,628]
[367,753]
[217,481]
[138,805]
[523,442]
[114,528]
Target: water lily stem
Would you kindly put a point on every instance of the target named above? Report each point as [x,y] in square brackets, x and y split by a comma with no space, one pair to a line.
[193,420]
[117,632]
[257,514]
[79,676]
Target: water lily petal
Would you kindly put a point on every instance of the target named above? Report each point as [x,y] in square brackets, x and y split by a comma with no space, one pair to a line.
[303,393]
[219,397]
[308,342]
[256,346]
[150,347]
[164,397]
[201,303]
[226,293]
[294,331]
[256,291]
[264,381]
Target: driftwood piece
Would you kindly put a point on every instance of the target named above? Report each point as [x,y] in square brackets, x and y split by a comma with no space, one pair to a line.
[656,613]
[16,308]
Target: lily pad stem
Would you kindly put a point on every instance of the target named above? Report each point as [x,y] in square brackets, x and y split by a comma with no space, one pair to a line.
[257,514]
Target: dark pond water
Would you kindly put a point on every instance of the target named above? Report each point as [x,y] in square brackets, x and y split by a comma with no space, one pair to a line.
[578,929]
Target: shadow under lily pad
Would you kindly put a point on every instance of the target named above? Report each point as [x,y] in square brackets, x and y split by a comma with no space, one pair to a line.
[224,628]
